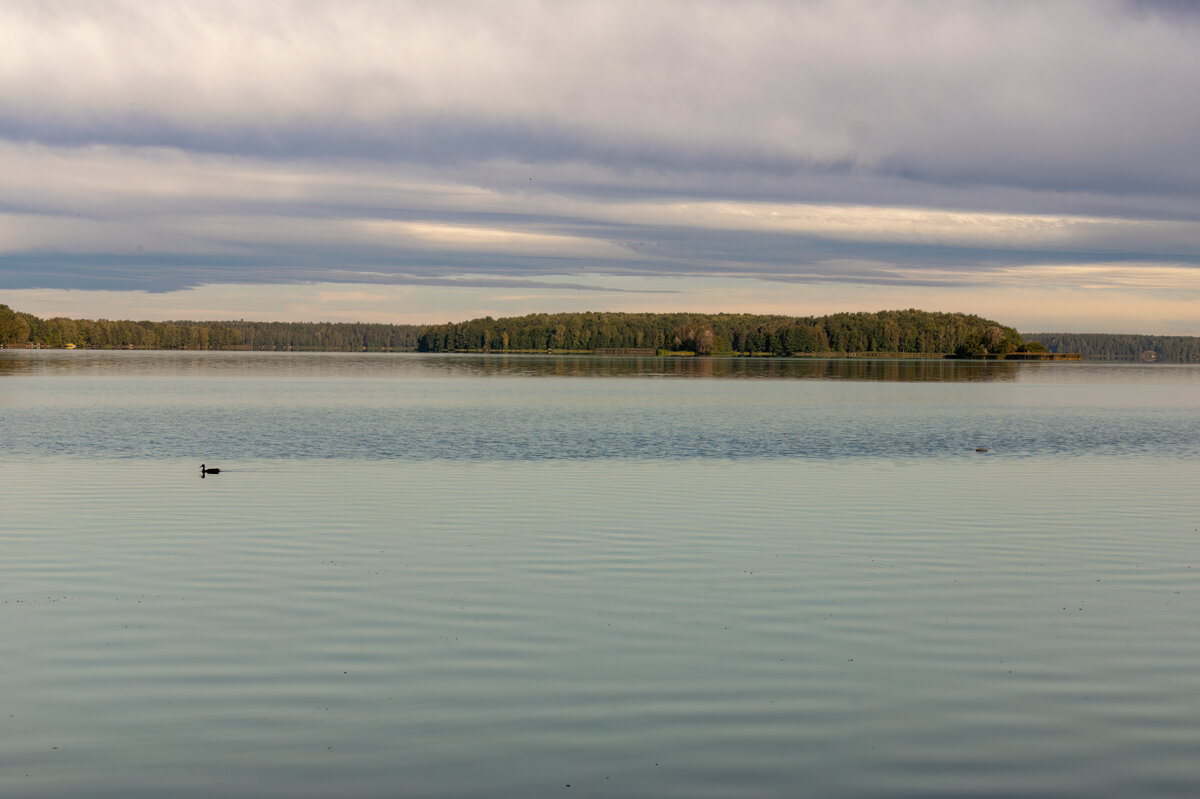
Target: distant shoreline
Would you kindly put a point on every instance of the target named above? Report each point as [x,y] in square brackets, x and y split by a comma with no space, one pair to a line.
[905,334]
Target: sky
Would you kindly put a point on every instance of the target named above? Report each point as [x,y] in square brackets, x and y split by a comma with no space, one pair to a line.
[413,162]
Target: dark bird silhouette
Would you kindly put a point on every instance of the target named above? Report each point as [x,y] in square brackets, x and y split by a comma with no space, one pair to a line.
[204,470]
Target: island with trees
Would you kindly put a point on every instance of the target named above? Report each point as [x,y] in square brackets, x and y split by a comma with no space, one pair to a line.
[898,333]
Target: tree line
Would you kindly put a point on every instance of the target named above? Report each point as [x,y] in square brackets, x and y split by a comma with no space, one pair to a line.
[910,331]
[902,332]
[22,329]
[1124,346]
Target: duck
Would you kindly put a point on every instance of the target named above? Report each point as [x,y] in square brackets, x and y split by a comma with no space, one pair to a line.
[204,470]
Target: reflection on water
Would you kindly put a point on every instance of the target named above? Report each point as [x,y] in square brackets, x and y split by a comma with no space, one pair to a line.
[182,363]
[769,368]
[392,365]
[477,407]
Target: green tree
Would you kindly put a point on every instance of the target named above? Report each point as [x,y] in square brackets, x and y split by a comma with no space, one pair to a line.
[13,328]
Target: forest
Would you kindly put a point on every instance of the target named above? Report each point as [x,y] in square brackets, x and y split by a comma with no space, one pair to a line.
[909,332]
[1124,346]
[21,329]
[900,332]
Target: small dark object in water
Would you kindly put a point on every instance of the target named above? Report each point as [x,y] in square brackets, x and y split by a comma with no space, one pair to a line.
[981,449]
[204,471]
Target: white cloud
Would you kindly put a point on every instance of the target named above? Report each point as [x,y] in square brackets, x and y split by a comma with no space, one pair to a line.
[486,239]
[112,200]
[940,87]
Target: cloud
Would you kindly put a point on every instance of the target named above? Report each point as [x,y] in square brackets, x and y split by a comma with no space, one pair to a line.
[1035,94]
[104,217]
[157,147]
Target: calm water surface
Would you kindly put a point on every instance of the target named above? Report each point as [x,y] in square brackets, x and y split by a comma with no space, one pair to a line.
[522,577]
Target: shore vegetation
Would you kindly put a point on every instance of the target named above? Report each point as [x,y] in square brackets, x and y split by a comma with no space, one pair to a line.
[900,334]
[907,332]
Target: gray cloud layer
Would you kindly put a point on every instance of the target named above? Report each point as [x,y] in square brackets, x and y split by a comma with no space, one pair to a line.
[158,146]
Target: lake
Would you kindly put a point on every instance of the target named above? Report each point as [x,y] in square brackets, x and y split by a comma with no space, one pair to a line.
[502,576]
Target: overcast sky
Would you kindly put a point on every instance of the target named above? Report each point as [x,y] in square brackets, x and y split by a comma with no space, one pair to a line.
[1037,163]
